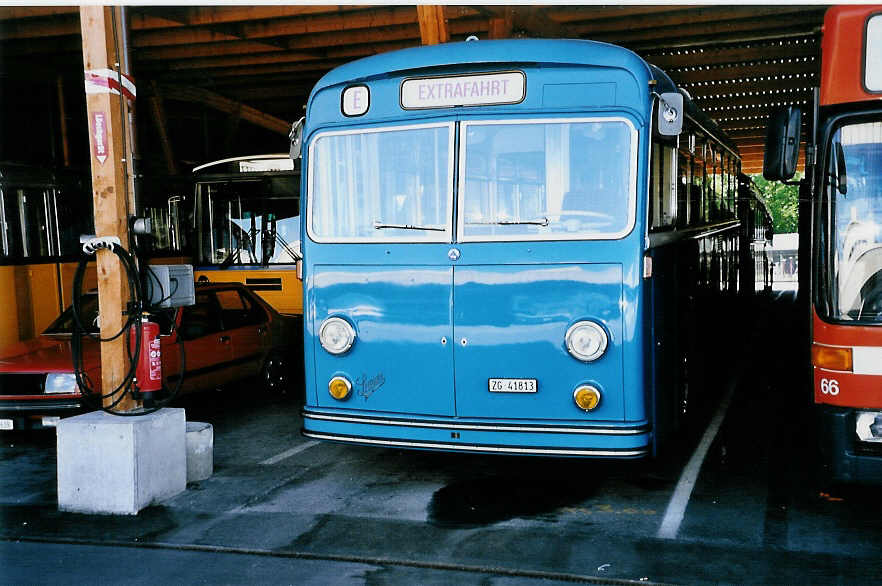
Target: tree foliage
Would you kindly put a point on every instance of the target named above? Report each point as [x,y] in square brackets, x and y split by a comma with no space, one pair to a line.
[783,202]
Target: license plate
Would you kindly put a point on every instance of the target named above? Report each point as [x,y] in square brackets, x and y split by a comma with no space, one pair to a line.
[512,385]
[5,424]
[51,421]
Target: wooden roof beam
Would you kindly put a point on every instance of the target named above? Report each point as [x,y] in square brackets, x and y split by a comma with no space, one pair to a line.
[59,25]
[685,18]
[694,57]
[335,53]
[722,75]
[212,15]
[177,52]
[677,35]
[573,14]
[226,105]
[221,75]
[769,87]
[360,19]
[17,12]
[734,102]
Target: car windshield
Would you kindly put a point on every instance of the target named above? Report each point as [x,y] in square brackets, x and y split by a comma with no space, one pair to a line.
[854,193]
[88,317]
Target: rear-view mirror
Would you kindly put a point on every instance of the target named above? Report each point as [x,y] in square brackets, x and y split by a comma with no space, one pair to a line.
[296,137]
[670,114]
[782,144]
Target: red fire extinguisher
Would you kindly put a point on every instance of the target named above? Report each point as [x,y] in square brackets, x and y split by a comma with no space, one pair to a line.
[148,375]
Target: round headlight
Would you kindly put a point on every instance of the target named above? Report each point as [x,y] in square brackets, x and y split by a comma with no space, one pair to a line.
[336,335]
[586,341]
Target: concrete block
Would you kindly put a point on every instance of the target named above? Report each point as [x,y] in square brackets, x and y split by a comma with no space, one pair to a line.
[200,451]
[109,464]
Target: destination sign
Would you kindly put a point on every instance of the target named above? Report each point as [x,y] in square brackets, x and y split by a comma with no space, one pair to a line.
[464,90]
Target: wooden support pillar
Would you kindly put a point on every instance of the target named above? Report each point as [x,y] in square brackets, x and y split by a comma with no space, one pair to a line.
[103,34]
[502,25]
[433,25]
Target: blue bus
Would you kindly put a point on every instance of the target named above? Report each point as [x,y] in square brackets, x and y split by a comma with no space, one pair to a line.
[510,247]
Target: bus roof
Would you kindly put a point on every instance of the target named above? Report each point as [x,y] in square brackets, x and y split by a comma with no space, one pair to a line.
[449,57]
[277,162]
[557,51]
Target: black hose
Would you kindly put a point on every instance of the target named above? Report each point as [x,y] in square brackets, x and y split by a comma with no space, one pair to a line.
[135,308]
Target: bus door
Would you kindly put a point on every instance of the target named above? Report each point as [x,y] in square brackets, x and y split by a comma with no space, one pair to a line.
[541,206]
[382,211]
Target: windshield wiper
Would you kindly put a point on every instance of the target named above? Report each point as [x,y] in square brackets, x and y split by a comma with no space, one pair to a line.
[378,225]
[536,222]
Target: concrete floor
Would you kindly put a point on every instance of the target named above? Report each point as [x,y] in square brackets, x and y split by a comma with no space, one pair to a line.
[283,509]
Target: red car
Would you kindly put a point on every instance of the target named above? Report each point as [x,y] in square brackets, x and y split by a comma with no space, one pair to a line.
[230,334]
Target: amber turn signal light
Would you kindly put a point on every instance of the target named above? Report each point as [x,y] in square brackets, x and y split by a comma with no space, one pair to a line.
[831,357]
[339,388]
[587,397]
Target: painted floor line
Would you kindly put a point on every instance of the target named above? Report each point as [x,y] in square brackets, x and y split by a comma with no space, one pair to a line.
[288,453]
[680,499]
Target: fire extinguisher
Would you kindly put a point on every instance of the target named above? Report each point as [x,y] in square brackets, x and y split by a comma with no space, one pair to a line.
[148,375]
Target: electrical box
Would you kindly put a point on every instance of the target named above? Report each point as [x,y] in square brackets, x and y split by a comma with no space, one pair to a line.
[169,285]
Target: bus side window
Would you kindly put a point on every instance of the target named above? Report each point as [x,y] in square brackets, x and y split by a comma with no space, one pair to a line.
[663,186]
[699,207]
[684,202]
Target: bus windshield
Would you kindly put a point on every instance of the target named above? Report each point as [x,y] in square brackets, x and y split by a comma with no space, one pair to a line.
[856,227]
[251,221]
[542,179]
[390,184]
[547,179]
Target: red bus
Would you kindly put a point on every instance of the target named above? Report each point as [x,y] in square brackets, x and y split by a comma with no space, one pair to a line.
[841,234]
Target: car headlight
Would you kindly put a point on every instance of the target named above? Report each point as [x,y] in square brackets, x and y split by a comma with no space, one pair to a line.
[586,341]
[61,382]
[336,335]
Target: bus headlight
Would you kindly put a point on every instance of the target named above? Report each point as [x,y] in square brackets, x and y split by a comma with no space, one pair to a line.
[586,341]
[868,426]
[336,335]
[61,382]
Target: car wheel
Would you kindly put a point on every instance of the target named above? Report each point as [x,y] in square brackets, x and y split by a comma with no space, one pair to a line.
[276,374]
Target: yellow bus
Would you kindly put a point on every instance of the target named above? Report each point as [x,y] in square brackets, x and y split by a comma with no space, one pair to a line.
[246,226]
[42,214]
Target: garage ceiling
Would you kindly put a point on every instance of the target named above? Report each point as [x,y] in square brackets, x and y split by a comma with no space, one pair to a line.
[257,64]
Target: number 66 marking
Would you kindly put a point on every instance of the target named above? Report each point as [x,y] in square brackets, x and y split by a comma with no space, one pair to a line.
[830,386]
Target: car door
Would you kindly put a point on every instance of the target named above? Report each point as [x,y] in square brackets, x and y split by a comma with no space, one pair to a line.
[245,324]
[208,348]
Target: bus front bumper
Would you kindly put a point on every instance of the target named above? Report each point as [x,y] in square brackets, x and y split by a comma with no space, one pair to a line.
[845,456]
[481,436]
